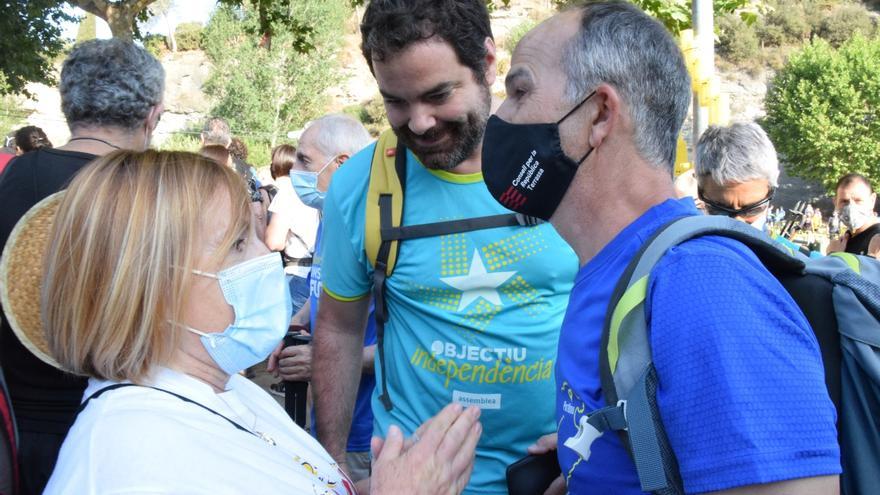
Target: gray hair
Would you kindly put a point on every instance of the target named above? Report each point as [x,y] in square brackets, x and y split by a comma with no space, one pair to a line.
[620,45]
[110,83]
[739,153]
[339,134]
[216,131]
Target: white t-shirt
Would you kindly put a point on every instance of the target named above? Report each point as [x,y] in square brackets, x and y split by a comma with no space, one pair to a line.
[302,224]
[136,440]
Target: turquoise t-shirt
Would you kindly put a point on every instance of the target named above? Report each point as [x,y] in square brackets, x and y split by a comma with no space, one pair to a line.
[473,317]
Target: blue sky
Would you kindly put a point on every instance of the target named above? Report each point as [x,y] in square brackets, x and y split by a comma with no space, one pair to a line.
[181,11]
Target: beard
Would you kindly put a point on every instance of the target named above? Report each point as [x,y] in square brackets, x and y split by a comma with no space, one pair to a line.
[462,136]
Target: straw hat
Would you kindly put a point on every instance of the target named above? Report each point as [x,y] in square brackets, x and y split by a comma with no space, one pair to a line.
[21,275]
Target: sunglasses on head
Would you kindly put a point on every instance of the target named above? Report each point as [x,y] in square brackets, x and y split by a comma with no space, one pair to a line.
[746,211]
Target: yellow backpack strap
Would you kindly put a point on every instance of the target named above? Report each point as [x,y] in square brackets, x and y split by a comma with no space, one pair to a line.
[384,181]
[384,211]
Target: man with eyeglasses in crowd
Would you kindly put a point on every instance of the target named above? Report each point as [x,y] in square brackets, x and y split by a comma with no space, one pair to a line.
[737,174]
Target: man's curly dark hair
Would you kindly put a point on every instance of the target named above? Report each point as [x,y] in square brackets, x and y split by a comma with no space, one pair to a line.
[389,26]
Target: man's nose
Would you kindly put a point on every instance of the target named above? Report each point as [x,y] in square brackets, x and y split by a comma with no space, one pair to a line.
[421,119]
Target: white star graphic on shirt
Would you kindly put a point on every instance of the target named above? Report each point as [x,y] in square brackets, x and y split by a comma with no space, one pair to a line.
[478,283]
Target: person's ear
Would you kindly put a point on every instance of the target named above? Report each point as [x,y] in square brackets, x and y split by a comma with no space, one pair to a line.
[341,159]
[154,116]
[605,114]
[491,62]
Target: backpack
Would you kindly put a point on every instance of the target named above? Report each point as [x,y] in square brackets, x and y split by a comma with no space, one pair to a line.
[840,296]
[385,229]
[8,443]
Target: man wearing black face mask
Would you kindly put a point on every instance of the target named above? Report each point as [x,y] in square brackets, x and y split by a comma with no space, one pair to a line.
[724,334]
[473,316]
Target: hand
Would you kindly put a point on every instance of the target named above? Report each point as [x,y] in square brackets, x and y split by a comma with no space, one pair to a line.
[838,245]
[438,461]
[295,363]
[545,444]
[272,365]
[874,247]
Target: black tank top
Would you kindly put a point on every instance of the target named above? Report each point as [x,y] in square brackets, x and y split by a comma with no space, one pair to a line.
[858,244]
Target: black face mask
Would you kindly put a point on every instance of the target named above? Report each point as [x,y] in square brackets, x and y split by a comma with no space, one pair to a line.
[524,166]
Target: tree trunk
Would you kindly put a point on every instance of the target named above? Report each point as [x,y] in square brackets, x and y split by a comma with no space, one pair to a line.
[171,38]
[120,17]
[121,22]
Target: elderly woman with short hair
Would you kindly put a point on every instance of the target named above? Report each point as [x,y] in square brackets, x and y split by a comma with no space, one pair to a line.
[162,311]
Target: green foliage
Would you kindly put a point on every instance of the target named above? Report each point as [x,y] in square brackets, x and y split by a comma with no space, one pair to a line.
[156,44]
[278,17]
[259,150]
[181,141]
[844,22]
[737,41]
[88,29]
[189,36]
[823,110]
[267,91]
[30,38]
[516,34]
[371,114]
[11,115]
[785,23]
[676,15]
[491,5]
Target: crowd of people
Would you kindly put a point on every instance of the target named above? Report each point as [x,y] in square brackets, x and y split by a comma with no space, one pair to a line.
[456,277]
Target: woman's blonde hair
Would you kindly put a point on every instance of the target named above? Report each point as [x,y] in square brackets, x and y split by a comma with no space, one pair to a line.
[122,247]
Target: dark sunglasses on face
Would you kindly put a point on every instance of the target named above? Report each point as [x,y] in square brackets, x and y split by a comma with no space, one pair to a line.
[747,211]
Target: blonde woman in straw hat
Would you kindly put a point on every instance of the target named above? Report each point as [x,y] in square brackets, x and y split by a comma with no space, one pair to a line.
[111,96]
[161,294]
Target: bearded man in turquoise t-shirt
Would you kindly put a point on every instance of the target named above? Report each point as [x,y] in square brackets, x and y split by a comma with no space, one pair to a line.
[473,316]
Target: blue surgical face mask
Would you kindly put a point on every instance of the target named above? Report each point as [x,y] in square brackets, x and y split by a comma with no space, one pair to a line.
[306,186]
[258,293]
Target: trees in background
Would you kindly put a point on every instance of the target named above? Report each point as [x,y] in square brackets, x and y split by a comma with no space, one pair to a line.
[30,40]
[272,88]
[823,110]
[120,15]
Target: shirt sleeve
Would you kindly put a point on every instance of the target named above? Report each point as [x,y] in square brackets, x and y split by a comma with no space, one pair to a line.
[345,273]
[279,201]
[741,383]
[302,220]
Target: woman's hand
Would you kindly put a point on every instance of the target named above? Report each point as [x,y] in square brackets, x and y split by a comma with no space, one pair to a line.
[438,459]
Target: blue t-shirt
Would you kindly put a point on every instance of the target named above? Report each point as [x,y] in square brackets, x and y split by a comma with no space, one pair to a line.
[362,418]
[474,317]
[741,383]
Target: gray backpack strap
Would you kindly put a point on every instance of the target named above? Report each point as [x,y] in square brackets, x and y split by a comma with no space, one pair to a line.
[626,366]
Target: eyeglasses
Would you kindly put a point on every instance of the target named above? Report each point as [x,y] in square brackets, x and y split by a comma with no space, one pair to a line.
[747,211]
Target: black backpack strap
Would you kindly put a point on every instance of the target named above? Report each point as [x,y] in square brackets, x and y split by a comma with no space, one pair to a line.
[108,388]
[381,266]
[389,233]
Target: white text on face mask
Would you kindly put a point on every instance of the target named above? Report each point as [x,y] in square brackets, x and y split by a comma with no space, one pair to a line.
[528,174]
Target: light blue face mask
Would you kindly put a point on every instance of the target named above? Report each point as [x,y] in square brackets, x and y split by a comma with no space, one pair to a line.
[306,186]
[258,293]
